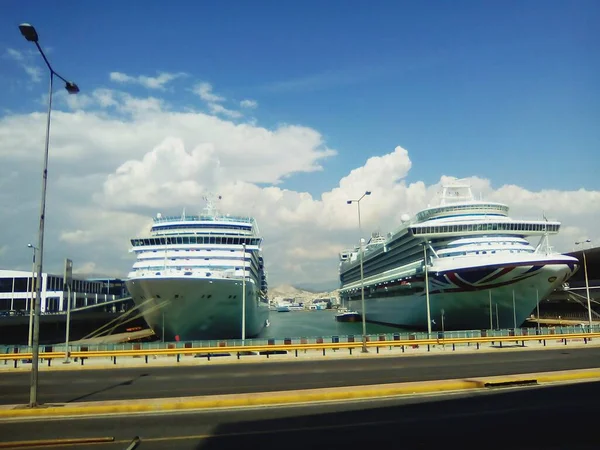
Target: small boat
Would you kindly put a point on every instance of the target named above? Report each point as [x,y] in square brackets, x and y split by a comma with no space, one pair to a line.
[283,309]
[344,315]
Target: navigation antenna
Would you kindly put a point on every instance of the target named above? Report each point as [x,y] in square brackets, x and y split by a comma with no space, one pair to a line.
[211,207]
[544,244]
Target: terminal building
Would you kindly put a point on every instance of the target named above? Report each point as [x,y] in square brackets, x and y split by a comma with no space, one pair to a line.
[99,306]
[16,292]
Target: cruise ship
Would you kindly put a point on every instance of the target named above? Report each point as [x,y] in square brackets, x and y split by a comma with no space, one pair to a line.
[193,275]
[481,270]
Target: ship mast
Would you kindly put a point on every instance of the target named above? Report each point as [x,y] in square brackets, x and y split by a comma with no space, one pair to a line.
[211,208]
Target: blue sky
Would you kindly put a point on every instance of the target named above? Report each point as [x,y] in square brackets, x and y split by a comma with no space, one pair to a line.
[506,91]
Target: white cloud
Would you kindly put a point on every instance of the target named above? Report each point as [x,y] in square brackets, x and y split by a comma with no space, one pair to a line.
[116,160]
[76,236]
[25,60]
[250,104]
[157,82]
[216,108]
[205,92]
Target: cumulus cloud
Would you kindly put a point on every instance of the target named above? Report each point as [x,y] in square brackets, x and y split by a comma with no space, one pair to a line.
[117,160]
[158,82]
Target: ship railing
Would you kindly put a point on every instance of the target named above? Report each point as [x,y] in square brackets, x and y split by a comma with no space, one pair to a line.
[218,218]
[263,346]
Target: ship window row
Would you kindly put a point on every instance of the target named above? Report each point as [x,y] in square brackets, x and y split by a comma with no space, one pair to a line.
[196,268]
[486,227]
[219,240]
[219,226]
[144,257]
[484,252]
[489,207]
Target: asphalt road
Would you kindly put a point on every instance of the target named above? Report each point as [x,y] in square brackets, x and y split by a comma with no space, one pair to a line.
[545,417]
[155,382]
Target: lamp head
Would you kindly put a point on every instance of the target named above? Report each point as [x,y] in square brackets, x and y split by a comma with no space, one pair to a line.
[28,32]
[349,202]
[71,87]
[368,193]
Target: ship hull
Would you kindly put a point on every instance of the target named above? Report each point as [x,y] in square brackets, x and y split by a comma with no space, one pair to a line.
[199,308]
[464,297]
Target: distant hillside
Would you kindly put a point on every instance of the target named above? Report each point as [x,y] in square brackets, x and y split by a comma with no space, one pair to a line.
[287,291]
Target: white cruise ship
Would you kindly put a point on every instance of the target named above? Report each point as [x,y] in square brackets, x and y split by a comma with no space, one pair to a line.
[193,272]
[482,271]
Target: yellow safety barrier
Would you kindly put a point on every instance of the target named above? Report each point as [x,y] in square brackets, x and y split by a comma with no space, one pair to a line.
[296,347]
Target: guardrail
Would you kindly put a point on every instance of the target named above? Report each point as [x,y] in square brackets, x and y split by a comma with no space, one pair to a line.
[288,346]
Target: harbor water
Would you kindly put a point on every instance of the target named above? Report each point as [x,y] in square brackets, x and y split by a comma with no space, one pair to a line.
[320,323]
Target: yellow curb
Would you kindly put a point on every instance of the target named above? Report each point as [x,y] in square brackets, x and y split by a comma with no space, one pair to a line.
[55,442]
[289,397]
[240,400]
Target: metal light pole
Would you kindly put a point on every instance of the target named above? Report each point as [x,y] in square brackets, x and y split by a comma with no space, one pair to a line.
[68,281]
[491,313]
[28,31]
[587,286]
[30,333]
[514,311]
[426,269]
[244,297]
[537,307]
[362,280]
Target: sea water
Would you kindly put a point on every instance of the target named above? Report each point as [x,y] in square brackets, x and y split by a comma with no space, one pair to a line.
[319,323]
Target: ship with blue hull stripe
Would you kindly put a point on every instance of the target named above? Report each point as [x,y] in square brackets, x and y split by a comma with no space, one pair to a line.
[472,261]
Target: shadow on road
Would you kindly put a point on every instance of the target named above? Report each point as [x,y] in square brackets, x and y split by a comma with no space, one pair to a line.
[108,388]
[549,418]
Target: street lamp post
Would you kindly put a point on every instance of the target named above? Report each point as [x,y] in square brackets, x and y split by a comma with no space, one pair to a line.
[426,273]
[29,32]
[362,280]
[29,334]
[244,296]
[587,286]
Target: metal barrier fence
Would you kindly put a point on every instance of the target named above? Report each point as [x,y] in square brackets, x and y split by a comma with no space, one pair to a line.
[269,346]
[308,340]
